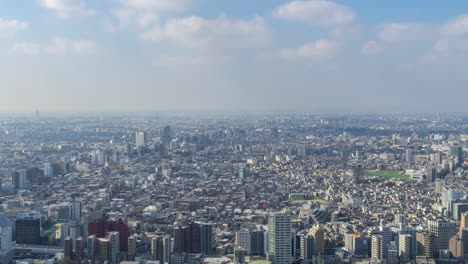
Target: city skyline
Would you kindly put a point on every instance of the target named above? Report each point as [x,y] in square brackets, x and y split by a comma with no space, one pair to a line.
[247,56]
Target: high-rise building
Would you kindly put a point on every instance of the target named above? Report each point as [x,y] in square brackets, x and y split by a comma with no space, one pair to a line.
[307,245]
[206,238]
[114,247]
[156,245]
[318,233]
[377,250]
[279,238]
[167,134]
[6,237]
[91,247]
[65,211]
[392,254]
[387,236]
[179,235]
[131,247]
[48,169]
[140,139]
[457,152]
[68,248]
[244,240]
[166,249]
[28,228]
[79,248]
[409,156]
[424,240]
[103,249]
[257,242]
[239,255]
[442,232]
[405,247]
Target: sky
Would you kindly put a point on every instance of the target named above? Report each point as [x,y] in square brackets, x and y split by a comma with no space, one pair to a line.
[233,55]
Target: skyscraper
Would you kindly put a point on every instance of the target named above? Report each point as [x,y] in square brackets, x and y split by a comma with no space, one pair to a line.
[140,139]
[405,247]
[442,232]
[206,238]
[279,238]
[318,234]
[243,240]
[114,247]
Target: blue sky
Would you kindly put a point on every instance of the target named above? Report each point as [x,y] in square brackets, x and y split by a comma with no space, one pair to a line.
[233,55]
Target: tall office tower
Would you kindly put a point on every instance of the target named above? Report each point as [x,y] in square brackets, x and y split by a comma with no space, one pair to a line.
[68,248]
[464,242]
[28,228]
[442,231]
[424,240]
[131,247]
[279,238]
[154,247]
[140,139]
[405,249]
[377,246]
[166,249]
[79,248]
[114,247]
[431,174]
[464,220]
[103,249]
[76,211]
[244,240]
[387,236]
[243,173]
[239,255]
[437,158]
[48,169]
[318,233]
[400,220]
[6,238]
[193,238]
[179,235]
[257,243]
[65,211]
[413,243]
[307,248]
[457,152]
[301,150]
[393,254]
[296,245]
[409,156]
[91,247]
[167,134]
[206,238]
[127,149]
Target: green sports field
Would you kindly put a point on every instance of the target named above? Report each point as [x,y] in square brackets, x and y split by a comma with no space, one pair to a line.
[386,174]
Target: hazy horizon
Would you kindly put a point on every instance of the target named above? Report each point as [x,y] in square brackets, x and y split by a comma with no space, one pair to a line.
[81,56]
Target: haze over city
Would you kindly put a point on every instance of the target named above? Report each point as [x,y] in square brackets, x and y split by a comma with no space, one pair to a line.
[243,55]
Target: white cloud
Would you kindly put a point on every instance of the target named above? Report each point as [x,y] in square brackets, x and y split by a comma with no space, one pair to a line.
[168,5]
[446,50]
[170,61]
[26,48]
[320,49]
[456,27]
[222,32]
[142,13]
[371,48]
[58,46]
[66,8]
[10,27]
[400,32]
[315,12]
